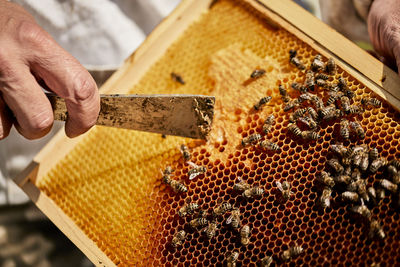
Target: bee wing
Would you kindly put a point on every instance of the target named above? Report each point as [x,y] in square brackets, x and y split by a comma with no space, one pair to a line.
[229,220]
[193,175]
[279,185]
[193,165]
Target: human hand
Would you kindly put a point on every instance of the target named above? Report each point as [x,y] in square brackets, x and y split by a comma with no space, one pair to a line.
[384,30]
[29,56]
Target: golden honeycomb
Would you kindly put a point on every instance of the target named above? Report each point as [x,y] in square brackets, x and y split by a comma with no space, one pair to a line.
[110,184]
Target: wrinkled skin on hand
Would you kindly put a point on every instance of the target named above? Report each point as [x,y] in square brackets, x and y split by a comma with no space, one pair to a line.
[384,30]
[29,56]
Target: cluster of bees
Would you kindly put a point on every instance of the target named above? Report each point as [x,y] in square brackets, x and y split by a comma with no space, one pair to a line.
[310,110]
[207,223]
[350,170]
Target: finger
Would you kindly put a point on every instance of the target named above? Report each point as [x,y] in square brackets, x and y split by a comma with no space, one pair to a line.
[5,119]
[65,76]
[30,106]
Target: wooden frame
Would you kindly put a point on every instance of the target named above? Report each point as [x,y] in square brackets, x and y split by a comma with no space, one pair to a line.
[280,13]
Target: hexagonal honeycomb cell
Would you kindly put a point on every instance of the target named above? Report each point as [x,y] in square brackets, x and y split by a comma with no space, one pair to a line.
[110,184]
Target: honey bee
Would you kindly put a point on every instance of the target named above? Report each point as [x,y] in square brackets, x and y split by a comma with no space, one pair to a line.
[330,66]
[318,103]
[362,189]
[297,114]
[322,83]
[253,192]
[375,229]
[356,126]
[326,179]
[376,164]
[309,82]
[357,157]
[222,209]
[308,120]
[177,78]
[188,209]
[266,261]
[291,252]
[251,139]
[298,87]
[325,199]
[339,149]
[322,76]
[324,112]
[345,88]
[343,179]
[333,87]
[294,129]
[284,94]
[354,109]
[198,222]
[371,192]
[257,73]
[245,235]
[380,193]
[234,218]
[175,185]
[312,113]
[334,114]
[292,53]
[394,173]
[362,210]
[305,97]
[185,152]
[178,238]
[291,105]
[232,259]
[211,229]
[373,154]
[317,64]
[262,102]
[333,97]
[350,196]
[268,123]
[310,135]
[167,174]
[284,188]
[395,163]
[268,145]
[196,170]
[297,63]
[371,102]
[241,185]
[335,165]
[388,185]
[364,161]
[345,103]
[356,174]
[344,129]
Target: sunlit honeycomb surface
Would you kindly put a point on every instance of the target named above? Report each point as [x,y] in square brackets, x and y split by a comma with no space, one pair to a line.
[110,184]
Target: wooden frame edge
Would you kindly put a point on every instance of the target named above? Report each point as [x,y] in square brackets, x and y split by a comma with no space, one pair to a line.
[66,225]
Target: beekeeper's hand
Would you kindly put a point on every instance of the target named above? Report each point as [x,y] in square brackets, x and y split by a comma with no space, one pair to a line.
[384,29]
[29,56]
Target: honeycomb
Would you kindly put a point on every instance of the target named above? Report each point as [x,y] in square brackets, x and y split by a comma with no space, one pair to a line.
[113,191]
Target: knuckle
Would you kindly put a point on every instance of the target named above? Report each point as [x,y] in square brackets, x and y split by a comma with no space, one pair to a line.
[40,122]
[84,87]
[30,33]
